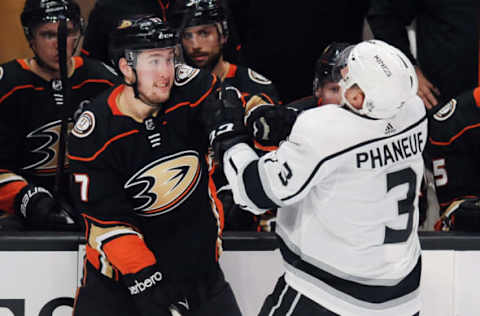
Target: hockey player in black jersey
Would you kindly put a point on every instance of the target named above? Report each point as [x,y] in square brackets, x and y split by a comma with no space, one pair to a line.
[31,101]
[347,183]
[204,35]
[138,156]
[454,152]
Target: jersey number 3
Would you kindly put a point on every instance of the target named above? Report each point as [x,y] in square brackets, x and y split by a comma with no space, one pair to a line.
[405,206]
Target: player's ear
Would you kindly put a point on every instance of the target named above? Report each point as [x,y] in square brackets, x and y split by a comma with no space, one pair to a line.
[126,70]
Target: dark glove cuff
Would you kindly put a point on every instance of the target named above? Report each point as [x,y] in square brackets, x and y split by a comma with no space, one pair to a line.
[27,197]
[143,280]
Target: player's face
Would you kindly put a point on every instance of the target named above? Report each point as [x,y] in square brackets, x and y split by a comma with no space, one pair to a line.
[202,44]
[155,74]
[45,43]
[329,92]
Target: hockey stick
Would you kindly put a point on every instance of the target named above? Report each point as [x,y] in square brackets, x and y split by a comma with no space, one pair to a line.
[62,55]
[65,109]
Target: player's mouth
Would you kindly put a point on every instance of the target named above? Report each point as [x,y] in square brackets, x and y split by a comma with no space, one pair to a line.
[200,58]
[161,85]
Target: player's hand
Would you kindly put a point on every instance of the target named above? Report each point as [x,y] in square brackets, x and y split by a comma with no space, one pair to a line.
[152,293]
[426,90]
[270,124]
[227,127]
[41,210]
[236,219]
[461,215]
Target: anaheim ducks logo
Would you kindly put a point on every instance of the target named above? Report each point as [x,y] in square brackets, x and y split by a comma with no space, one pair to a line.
[165,183]
[184,74]
[49,136]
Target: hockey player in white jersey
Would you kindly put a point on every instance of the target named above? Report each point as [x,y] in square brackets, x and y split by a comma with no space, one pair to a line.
[347,182]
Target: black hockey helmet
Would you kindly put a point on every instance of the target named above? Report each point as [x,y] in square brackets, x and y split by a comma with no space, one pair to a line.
[325,63]
[139,33]
[36,12]
[199,12]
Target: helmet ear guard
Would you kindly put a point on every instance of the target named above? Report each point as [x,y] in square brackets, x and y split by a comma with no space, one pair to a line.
[384,74]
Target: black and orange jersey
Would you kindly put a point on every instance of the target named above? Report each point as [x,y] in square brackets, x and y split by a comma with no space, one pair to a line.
[142,187]
[250,83]
[454,133]
[31,119]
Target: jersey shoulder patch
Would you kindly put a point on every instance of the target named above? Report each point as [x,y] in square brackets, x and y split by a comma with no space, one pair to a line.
[446,111]
[258,78]
[184,74]
[85,125]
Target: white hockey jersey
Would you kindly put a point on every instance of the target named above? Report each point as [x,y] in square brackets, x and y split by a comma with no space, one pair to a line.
[347,187]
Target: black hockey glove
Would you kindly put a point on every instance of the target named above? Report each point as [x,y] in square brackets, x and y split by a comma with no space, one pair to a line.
[152,294]
[227,126]
[236,219]
[461,215]
[270,124]
[41,210]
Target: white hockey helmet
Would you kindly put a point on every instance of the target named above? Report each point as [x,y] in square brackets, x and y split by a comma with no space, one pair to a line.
[385,75]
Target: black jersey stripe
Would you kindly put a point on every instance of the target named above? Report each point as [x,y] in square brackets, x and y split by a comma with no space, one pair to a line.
[254,189]
[375,294]
[324,160]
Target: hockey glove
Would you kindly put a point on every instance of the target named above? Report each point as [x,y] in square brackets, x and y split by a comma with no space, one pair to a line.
[461,215]
[270,124]
[227,128]
[40,210]
[152,294]
[236,219]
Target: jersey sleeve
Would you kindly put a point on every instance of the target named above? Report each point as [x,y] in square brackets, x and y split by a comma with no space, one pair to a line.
[11,142]
[279,178]
[457,122]
[114,241]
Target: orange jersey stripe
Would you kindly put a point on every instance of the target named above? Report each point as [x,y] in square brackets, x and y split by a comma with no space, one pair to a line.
[108,82]
[6,95]
[434,142]
[93,256]
[23,64]
[94,156]
[232,70]
[176,106]
[78,61]
[84,51]
[264,148]
[129,254]
[214,81]
[476,95]
[219,207]
[112,100]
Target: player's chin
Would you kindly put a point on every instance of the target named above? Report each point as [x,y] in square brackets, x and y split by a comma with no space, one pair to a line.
[160,96]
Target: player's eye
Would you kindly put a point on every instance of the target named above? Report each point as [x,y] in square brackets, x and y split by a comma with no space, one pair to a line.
[48,35]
